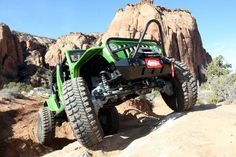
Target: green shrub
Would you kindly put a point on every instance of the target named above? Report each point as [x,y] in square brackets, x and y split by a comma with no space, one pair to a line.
[152,95]
[213,99]
[10,94]
[220,81]
[218,68]
[19,86]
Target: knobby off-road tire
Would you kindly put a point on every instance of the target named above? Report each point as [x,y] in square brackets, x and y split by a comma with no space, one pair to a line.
[46,126]
[109,119]
[184,88]
[80,112]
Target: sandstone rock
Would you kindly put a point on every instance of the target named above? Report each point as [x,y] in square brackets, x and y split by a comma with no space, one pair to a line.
[72,150]
[32,42]
[181,35]
[139,110]
[33,70]
[10,54]
[40,77]
[21,55]
[69,42]
[34,47]
[147,1]
[35,58]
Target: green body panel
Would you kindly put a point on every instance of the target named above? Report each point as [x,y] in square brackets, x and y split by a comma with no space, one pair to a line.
[59,85]
[52,101]
[54,105]
[70,63]
[88,54]
[59,79]
[106,54]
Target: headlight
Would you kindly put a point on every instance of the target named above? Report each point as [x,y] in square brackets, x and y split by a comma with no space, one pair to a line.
[113,47]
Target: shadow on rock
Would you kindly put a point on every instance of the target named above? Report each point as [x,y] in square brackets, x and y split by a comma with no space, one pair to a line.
[7,119]
[59,143]
[23,148]
[136,120]
[203,107]
[123,139]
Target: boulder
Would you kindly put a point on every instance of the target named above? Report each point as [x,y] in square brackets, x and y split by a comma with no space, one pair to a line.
[69,42]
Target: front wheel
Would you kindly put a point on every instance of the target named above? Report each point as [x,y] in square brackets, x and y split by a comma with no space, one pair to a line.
[184,85]
[81,113]
[46,126]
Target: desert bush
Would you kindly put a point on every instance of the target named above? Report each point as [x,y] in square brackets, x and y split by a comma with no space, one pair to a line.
[18,86]
[223,87]
[221,81]
[204,96]
[218,67]
[10,94]
[155,93]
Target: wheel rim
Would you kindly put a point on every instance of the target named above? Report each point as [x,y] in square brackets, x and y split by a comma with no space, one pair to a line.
[174,101]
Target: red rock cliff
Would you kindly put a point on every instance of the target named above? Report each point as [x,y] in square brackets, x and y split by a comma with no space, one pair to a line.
[10,54]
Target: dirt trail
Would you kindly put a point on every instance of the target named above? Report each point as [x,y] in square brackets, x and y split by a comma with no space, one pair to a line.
[207,131]
[18,127]
[17,123]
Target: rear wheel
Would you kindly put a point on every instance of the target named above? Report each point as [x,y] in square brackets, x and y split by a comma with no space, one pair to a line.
[80,112]
[46,127]
[109,119]
[184,89]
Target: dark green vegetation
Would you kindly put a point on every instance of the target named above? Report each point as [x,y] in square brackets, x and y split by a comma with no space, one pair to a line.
[221,81]
[13,91]
[18,86]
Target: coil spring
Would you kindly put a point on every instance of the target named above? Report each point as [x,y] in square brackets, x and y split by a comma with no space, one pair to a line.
[105,83]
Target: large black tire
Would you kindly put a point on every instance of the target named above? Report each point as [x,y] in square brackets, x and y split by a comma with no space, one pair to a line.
[109,119]
[46,126]
[80,112]
[184,88]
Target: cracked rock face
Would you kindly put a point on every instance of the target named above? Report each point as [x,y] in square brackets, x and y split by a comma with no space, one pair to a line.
[21,55]
[181,35]
[10,54]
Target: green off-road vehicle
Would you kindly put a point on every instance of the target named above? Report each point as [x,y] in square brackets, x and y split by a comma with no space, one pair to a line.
[88,84]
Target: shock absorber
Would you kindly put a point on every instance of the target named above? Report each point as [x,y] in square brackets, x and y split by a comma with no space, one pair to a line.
[104,82]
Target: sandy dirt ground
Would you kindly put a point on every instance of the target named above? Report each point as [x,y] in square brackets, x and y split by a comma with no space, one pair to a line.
[18,120]
[145,130]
